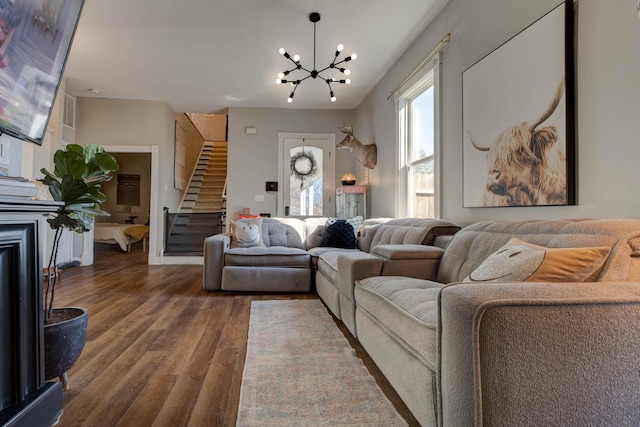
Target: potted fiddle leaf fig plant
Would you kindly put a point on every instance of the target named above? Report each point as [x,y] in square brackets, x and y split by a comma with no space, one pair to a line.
[77,178]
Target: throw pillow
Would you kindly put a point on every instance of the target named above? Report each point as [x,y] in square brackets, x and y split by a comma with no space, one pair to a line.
[519,261]
[246,233]
[338,234]
[354,222]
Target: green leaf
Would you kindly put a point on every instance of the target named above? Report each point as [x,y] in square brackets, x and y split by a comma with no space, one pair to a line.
[72,189]
[75,148]
[98,179]
[106,162]
[56,191]
[90,152]
[96,212]
[48,177]
[68,162]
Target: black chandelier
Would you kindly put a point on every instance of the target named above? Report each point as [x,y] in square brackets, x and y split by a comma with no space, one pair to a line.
[315,17]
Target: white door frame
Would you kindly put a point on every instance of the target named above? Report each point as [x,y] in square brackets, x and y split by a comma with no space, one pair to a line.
[329,180]
[87,248]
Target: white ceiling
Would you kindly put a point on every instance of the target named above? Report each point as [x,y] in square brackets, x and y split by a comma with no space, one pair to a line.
[206,55]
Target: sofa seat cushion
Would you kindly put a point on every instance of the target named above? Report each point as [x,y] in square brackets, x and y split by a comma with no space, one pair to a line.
[328,265]
[263,256]
[317,251]
[406,308]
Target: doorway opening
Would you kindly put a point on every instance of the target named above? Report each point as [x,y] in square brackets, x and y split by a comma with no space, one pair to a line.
[122,213]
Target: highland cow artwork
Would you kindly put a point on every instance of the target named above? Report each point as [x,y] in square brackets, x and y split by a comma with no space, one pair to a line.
[518,145]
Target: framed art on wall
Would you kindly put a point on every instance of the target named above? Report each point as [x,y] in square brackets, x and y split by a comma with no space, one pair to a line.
[518,119]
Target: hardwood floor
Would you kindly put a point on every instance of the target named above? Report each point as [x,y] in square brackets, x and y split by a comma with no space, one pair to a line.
[160,350]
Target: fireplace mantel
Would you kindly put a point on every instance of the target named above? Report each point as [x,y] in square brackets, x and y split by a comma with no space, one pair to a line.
[25,398]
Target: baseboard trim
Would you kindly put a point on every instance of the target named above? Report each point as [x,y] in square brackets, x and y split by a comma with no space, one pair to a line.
[177,260]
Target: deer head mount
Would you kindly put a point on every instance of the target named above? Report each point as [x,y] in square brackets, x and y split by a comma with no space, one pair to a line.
[366,154]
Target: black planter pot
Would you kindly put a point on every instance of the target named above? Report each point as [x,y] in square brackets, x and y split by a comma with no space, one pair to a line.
[63,343]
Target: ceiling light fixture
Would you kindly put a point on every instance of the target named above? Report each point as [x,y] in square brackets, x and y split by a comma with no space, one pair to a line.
[315,17]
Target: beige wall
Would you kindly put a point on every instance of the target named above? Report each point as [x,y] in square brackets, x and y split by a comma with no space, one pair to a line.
[608,101]
[212,127]
[253,159]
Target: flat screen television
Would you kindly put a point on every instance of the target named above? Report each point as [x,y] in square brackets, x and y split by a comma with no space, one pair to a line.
[35,38]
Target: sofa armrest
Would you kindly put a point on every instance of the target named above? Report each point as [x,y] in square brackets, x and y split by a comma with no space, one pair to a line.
[539,354]
[214,250]
[417,261]
[354,266]
[408,251]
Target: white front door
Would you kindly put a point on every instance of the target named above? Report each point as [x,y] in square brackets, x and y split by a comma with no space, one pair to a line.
[307,174]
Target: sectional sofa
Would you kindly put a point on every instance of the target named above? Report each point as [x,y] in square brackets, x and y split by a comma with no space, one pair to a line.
[524,323]
[288,255]
[557,343]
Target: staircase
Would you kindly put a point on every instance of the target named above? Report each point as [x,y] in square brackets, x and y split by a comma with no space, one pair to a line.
[202,211]
[207,183]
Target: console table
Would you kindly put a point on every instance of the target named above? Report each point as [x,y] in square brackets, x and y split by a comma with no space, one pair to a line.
[25,398]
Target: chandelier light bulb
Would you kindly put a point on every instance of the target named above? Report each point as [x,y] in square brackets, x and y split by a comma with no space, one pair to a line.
[278,81]
[296,58]
[348,81]
[354,55]
[340,47]
[282,51]
[290,100]
[280,75]
[347,72]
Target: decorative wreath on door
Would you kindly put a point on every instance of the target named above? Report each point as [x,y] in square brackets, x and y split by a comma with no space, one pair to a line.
[303,164]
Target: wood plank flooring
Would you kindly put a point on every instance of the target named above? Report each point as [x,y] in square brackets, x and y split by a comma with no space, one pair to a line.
[160,350]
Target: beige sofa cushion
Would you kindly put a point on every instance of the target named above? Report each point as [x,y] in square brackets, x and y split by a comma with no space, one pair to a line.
[289,232]
[406,308]
[328,264]
[262,256]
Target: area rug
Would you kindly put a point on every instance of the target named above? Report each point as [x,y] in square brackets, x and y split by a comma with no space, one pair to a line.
[301,371]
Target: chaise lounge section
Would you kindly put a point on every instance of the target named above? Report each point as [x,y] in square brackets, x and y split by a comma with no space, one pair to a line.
[408,246]
[462,353]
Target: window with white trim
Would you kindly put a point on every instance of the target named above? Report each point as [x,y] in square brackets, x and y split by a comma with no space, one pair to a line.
[418,146]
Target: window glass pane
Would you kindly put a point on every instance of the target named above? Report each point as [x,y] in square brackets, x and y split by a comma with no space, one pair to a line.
[422,194]
[421,125]
[305,197]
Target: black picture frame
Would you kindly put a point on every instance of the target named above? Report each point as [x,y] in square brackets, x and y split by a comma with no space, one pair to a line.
[518,149]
